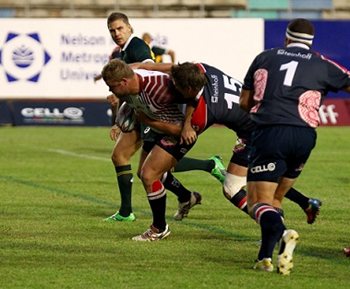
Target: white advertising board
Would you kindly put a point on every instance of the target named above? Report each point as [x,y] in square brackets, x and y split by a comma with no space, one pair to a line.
[58,58]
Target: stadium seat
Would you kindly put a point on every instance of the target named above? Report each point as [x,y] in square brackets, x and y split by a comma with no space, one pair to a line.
[7,12]
[300,14]
[268,4]
[311,5]
[341,4]
[267,14]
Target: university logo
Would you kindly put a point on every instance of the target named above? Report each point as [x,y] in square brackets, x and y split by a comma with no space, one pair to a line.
[23,57]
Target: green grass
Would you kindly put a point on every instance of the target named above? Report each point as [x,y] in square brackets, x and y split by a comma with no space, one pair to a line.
[57,184]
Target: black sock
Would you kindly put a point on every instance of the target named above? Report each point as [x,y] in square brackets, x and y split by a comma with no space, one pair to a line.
[189,164]
[124,178]
[157,202]
[240,200]
[272,229]
[297,197]
[172,184]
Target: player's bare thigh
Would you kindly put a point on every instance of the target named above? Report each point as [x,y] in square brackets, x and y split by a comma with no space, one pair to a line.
[155,165]
[125,147]
[237,170]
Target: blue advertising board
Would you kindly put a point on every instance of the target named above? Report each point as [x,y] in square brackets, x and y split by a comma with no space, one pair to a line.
[55,112]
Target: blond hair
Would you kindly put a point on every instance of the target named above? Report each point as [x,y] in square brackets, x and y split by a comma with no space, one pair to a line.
[116,70]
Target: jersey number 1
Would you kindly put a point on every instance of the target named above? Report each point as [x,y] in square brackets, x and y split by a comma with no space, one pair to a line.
[290,67]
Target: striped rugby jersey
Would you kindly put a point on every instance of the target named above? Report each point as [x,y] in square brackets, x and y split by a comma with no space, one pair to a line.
[156,99]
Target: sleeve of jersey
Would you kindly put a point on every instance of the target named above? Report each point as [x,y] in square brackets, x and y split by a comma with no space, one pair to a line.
[248,83]
[338,76]
[158,50]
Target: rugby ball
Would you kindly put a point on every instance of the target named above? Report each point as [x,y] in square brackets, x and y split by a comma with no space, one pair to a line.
[126,118]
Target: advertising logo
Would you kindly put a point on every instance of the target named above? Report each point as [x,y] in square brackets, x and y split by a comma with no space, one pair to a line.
[23,57]
[53,115]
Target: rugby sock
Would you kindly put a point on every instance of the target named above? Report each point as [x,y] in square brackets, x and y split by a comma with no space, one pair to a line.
[190,164]
[125,179]
[157,202]
[172,184]
[297,197]
[240,200]
[271,226]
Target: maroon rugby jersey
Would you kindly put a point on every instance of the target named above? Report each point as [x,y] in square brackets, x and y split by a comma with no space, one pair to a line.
[156,99]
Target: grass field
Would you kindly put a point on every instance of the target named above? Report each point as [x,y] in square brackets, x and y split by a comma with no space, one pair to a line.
[57,185]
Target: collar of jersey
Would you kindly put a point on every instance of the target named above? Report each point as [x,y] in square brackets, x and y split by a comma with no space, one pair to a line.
[298,44]
[199,93]
[128,41]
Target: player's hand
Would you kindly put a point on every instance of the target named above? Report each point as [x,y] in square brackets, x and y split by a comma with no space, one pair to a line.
[97,77]
[113,100]
[114,132]
[188,135]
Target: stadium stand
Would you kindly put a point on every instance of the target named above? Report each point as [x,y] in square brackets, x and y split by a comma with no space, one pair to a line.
[268,9]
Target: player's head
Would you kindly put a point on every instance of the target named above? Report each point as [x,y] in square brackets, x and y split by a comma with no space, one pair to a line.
[118,75]
[188,78]
[300,30]
[147,37]
[119,28]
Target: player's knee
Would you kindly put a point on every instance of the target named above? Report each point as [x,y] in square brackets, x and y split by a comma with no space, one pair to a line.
[146,177]
[120,157]
[232,185]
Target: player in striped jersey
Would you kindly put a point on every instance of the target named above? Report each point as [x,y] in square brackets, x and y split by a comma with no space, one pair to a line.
[149,93]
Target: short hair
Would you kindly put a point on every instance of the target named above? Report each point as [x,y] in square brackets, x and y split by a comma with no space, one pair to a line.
[119,16]
[300,30]
[188,75]
[146,37]
[116,70]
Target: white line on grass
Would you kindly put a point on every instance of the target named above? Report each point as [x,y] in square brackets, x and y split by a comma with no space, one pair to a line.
[73,154]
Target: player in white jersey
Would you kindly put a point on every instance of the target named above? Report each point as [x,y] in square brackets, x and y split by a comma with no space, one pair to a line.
[148,93]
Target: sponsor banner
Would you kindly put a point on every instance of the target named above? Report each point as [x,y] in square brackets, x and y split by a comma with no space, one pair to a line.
[5,113]
[335,112]
[61,113]
[58,58]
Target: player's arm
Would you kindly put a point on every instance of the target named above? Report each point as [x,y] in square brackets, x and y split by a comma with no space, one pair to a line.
[171,53]
[188,134]
[162,67]
[165,127]
[115,130]
[246,100]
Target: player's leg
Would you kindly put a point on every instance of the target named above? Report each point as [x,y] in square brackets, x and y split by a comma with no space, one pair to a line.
[269,220]
[155,165]
[185,197]
[290,237]
[234,186]
[266,166]
[310,206]
[125,147]
[213,165]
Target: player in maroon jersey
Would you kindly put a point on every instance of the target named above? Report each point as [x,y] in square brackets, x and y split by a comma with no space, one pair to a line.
[148,93]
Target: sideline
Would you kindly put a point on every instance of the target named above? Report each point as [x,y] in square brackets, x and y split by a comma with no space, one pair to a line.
[83,156]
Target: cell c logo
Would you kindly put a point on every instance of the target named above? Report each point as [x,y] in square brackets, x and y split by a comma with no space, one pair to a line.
[23,57]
